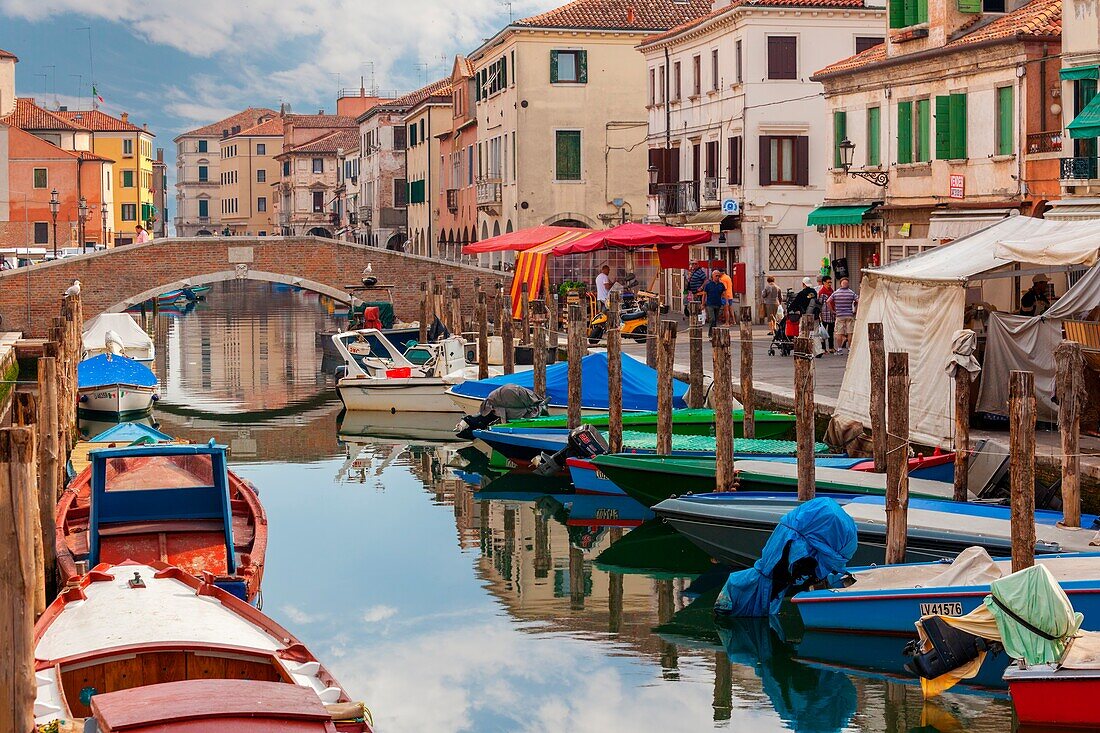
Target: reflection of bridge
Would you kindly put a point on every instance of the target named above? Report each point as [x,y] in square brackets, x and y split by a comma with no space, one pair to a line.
[116,278]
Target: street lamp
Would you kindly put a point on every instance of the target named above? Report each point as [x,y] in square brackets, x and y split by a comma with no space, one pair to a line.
[652,171]
[55,208]
[847,152]
[103,211]
[82,215]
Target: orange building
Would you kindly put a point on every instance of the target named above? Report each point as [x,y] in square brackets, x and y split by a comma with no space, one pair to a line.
[457,193]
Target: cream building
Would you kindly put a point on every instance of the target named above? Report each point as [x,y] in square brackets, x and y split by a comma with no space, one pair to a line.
[8,60]
[429,116]
[248,171]
[198,171]
[560,106]
[1080,111]
[735,134]
[307,192]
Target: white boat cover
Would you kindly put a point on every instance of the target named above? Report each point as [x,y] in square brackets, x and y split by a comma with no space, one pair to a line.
[920,301]
[135,342]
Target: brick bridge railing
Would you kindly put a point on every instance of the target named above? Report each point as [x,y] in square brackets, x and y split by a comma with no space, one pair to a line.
[112,280]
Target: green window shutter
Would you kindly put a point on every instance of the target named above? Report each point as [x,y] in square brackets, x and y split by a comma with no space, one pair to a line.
[874,136]
[897,13]
[1004,121]
[943,128]
[840,131]
[905,132]
[568,155]
[924,130]
[503,72]
[970,6]
[553,67]
[958,126]
[582,67]
[912,11]
[922,10]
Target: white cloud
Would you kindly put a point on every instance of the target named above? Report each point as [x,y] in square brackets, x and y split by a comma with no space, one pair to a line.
[374,614]
[298,616]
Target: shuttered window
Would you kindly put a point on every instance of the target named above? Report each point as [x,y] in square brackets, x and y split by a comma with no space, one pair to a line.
[568,67]
[399,138]
[782,57]
[1004,121]
[951,127]
[904,13]
[784,160]
[567,149]
[416,192]
[874,136]
[840,130]
[734,166]
[905,132]
[923,128]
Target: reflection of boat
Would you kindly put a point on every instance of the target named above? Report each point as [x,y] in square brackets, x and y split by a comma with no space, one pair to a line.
[734,527]
[111,384]
[116,333]
[653,547]
[146,646]
[581,510]
[419,426]
[176,503]
[685,421]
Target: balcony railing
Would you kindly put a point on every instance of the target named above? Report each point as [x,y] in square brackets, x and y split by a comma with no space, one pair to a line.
[452,200]
[677,198]
[1044,142]
[489,193]
[1079,169]
[710,189]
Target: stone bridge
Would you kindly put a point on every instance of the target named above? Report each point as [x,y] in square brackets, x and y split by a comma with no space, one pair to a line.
[114,279]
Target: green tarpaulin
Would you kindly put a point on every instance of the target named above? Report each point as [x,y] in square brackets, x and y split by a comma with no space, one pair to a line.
[1087,124]
[837,215]
[1079,72]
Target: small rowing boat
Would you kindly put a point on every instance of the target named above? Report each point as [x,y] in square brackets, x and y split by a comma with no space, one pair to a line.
[115,385]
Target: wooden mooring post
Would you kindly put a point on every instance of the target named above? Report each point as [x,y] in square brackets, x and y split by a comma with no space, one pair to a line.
[614,374]
[1021,466]
[538,347]
[1070,371]
[748,400]
[576,347]
[897,456]
[722,400]
[482,337]
[425,310]
[696,394]
[877,403]
[653,314]
[49,468]
[524,314]
[18,509]
[962,434]
[666,353]
[456,311]
[805,435]
[25,415]
[507,336]
[553,323]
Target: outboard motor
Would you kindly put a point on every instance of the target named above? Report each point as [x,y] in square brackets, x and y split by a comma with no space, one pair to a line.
[467,424]
[950,649]
[507,402]
[583,442]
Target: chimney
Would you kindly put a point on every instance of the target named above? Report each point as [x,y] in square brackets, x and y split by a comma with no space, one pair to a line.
[145,126]
[362,87]
[630,14]
[320,111]
[125,116]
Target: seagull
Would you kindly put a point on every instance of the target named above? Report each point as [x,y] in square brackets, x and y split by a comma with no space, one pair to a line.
[368,269]
[73,290]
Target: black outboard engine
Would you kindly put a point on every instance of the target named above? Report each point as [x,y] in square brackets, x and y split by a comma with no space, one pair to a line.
[507,402]
[467,424]
[583,442]
[950,649]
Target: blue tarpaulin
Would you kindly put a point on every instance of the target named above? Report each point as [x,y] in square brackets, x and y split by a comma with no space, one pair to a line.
[107,369]
[128,432]
[639,384]
[816,538]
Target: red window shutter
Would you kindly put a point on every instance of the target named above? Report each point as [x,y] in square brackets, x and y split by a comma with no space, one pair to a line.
[765,160]
[782,57]
[802,161]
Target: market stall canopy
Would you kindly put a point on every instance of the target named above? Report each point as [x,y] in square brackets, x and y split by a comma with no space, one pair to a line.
[525,239]
[631,236]
[825,215]
[1087,123]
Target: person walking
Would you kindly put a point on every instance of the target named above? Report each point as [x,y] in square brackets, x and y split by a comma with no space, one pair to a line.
[804,303]
[714,297]
[828,315]
[770,296]
[844,303]
[727,305]
[142,236]
[695,283]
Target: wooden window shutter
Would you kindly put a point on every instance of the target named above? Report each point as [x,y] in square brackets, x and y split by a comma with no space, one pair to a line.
[765,162]
[924,128]
[922,10]
[874,136]
[734,166]
[782,57]
[943,128]
[905,132]
[553,67]
[802,160]
[503,71]
[897,13]
[840,131]
[912,12]
[1004,121]
[958,126]
[582,67]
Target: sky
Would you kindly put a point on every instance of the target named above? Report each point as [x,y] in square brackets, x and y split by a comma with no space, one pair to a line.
[181,65]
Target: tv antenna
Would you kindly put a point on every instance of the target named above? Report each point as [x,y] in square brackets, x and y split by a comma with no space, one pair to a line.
[508,3]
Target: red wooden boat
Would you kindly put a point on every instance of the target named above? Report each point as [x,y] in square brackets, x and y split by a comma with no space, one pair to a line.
[148,647]
[1059,696]
[176,504]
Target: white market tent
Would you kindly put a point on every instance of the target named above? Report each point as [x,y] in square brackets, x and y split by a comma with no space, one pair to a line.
[921,301]
[136,344]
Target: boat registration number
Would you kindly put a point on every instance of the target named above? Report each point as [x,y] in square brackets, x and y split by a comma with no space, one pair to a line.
[607,514]
[953,608]
[361,463]
[601,475]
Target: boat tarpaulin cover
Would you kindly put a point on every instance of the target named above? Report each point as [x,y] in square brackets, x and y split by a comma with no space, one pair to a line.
[512,402]
[133,337]
[639,384]
[105,369]
[814,540]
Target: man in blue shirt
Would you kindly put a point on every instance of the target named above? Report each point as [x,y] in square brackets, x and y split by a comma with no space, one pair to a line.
[714,297]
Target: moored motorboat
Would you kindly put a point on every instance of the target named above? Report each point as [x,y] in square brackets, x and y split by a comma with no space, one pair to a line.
[117,333]
[132,642]
[116,385]
[170,503]
[685,421]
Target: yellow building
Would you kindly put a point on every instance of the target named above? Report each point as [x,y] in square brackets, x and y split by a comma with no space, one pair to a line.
[248,171]
[131,146]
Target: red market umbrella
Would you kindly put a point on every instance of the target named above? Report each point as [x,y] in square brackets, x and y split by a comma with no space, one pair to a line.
[524,239]
[630,236]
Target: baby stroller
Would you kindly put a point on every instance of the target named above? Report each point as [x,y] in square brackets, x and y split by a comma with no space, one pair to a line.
[782,342]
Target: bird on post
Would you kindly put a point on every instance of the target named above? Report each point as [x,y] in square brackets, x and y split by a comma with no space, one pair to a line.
[73,290]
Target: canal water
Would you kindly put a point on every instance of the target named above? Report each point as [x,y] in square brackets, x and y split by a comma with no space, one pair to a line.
[451,600]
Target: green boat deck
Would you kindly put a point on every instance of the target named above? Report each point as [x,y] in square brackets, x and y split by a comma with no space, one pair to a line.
[686,421]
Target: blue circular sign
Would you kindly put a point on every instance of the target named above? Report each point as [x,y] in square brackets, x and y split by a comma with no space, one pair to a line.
[730,206]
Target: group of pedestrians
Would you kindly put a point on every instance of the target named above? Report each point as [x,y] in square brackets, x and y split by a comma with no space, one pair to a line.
[715,290]
[834,311]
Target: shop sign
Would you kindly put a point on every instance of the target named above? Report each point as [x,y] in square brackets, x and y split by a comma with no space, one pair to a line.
[957,186]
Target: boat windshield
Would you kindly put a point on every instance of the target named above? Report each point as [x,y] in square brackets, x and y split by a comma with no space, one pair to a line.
[139,473]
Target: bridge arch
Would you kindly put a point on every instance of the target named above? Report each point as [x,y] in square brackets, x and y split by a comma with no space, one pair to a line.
[226,275]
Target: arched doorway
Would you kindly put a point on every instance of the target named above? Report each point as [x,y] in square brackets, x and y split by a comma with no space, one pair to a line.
[484,230]
[319,232]
[571,223]
[203,233]
[508,229]
[396,242]
[496,228]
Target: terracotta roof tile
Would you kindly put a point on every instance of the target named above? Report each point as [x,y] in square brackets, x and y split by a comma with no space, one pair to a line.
[329,142]
[29,116]
[308,121]
[272,127]
[7,55]
[99,121]
[1037,19]
[86,155]
[627,15]
[437,87]
[245,118]
[698,21]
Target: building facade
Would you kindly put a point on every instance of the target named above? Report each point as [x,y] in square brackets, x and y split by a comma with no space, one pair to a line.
[428,117]
[1079,174]
[160,194]
[249,172]
[381,219]
[735,141]
[8,60]
[953,116]
[198,171]
[457,189]
[306,194]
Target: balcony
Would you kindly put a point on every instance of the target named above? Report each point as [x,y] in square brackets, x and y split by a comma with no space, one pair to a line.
[1079,169]
[366,214]
[1044,142]
[710,189]
[489,193]
[677,198]
[452,200]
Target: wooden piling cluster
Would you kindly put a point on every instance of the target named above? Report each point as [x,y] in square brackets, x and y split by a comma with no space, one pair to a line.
[804,413]
[614,374]
[897,456]
[722,401]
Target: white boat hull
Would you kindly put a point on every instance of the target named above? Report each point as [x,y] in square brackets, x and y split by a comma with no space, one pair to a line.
[471,406]
[116,398]
[414,394]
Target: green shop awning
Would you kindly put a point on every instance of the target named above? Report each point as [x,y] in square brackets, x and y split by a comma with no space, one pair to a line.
[837,215]
[1087,124]
[1073,73]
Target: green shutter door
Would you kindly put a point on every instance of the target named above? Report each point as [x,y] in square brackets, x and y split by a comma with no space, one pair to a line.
[1004,121]
[553,67]
[840,130]
[905,132]
[943,128]
[568,155]
[922,10]
[924,130]
[970,6]
[912,12]
[897,13]
[958,126]
[874,136]
[582,67]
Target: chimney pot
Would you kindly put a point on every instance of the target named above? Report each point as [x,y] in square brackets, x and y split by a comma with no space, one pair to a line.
[125,116]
